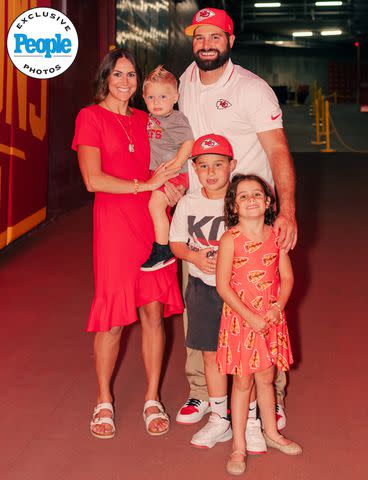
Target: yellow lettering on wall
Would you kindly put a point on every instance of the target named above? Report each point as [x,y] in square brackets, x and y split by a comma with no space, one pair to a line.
[9,92]
[2,54]
[12,151]
[38,123]
[15,8]
[22,99]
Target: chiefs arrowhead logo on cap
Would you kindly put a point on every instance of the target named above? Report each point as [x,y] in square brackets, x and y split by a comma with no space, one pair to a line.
[208,143]
[212,144]
[211,16]
[221,104]
[204,14]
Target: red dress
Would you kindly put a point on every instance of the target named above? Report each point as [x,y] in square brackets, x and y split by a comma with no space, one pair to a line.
[122,226]
[255,278]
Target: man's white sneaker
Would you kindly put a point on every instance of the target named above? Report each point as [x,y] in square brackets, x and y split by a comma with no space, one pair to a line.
[217,429]
[192,411]
[280,417]
[256,444]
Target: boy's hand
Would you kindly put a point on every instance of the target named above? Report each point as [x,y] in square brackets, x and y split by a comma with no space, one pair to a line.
[203,262]
[258,323]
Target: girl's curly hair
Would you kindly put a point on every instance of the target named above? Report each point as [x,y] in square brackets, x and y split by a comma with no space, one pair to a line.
[231,217]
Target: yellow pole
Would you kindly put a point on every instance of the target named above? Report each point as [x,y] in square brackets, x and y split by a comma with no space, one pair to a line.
[314,96]
[323,115]
[318,140]
[328,136]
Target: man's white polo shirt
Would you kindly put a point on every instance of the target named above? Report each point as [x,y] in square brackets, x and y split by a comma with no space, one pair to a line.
[238,106]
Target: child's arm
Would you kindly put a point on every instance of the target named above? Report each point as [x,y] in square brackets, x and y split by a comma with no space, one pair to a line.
[286,286]
[223,275]
[178,237]
[198,258]
[182,156]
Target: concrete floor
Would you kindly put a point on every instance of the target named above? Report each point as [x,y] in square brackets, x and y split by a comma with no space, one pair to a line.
[48,383]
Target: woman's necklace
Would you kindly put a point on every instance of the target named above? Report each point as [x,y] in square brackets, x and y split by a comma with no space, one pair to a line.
[129,137]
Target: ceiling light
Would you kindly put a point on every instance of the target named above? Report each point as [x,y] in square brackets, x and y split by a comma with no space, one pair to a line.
[302,34]
[326,33]
[328,4]
[274,42]
[267,5]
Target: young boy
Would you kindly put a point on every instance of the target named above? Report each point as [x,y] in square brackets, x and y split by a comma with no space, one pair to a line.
[196,229]
[171,140]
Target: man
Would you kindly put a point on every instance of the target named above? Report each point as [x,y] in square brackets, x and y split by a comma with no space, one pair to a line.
[220,97]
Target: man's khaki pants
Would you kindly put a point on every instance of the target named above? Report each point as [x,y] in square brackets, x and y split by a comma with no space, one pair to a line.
[194,368]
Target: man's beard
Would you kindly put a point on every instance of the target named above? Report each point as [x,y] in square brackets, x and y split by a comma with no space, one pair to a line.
[219,61]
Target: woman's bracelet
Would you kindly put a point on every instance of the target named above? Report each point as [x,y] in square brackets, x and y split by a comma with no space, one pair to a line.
[136,186]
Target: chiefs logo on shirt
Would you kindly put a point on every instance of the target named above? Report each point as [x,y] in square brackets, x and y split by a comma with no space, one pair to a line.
[202,14]
[208,143]
[153,129]
[222,104]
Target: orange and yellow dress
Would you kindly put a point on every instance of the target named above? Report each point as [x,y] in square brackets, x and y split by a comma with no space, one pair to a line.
[256,280]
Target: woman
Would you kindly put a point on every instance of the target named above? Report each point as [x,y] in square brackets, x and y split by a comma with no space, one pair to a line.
[113,153]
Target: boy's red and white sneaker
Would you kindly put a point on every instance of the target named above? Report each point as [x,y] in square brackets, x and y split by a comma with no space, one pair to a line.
[280,417]
[192,411]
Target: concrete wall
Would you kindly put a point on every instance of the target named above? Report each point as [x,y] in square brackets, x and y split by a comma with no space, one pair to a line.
[287,66]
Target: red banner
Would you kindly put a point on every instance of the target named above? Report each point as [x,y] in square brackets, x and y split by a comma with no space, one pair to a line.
[23,138]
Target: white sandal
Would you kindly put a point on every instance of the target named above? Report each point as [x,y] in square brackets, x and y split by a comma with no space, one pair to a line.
[102,420]
[148,418]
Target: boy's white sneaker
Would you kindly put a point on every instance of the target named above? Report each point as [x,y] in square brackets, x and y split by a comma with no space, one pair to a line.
[280,417]
[255,441]
[217,429]
[192,411]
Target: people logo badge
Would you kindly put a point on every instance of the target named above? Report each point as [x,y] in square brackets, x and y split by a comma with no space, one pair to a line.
[42,43]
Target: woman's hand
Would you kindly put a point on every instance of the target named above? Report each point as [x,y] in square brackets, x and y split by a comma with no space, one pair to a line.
[162,174]
[174,163]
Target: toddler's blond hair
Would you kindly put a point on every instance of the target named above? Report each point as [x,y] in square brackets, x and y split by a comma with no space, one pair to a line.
[160,75]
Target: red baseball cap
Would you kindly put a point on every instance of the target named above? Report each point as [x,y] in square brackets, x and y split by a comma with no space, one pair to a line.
[211,16]
[214,144]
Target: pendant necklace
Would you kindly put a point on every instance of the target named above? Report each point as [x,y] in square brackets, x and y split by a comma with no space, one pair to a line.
[129,137]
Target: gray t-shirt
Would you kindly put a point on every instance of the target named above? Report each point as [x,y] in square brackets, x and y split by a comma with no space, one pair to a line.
[166,135]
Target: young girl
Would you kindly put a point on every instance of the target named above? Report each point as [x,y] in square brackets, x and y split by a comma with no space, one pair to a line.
[254,278]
